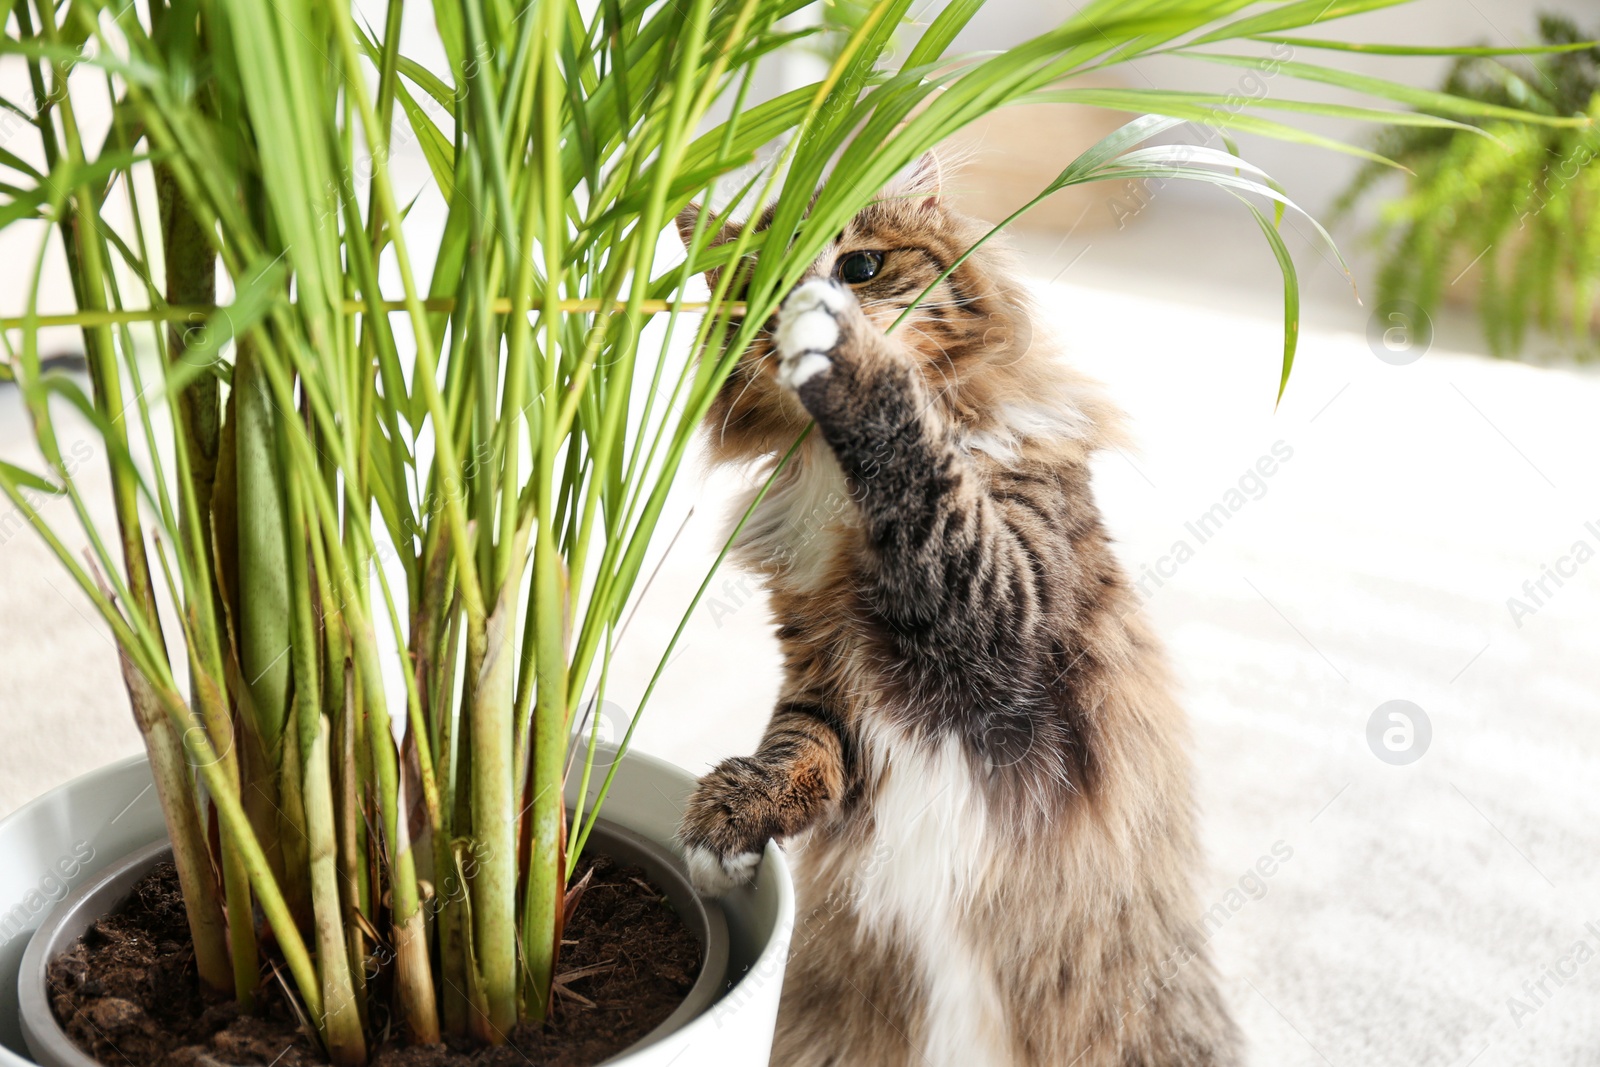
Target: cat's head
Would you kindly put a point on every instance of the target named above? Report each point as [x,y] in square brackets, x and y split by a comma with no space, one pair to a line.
[973,334]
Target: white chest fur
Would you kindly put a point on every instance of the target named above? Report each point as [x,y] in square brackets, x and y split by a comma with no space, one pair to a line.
[796,529]
[933,829]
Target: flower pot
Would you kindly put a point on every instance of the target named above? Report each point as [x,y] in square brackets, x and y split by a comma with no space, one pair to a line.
[72,855]
[110,889]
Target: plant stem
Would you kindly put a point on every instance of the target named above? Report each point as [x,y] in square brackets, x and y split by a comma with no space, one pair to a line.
[341,1022]
[175,791]
[541,909]
[235,877]
[264,610]
[494,822]
[83,242]
[413,972]
[352,864]
[191,280]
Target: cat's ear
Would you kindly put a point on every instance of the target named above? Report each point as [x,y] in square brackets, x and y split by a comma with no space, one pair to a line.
[687,218]
[918,183]
[719,232]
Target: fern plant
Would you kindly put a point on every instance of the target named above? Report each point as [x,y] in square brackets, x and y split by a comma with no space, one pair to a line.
[1518,204]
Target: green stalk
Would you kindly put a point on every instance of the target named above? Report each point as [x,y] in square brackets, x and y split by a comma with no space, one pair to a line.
[413,972]
[83,242]
[341,1022]
[494,822]
[175,791]
[541,915]
[264,611]
[235,875]
[191,277]
[462,993]
[301,731]
[250,855]
[200,752]
[352,865]
[683,624]
[262,600]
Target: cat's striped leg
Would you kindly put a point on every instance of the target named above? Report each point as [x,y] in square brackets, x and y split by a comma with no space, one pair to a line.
[955,567]
[795,778]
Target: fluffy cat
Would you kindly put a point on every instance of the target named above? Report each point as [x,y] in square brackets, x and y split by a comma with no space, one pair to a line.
[975,760]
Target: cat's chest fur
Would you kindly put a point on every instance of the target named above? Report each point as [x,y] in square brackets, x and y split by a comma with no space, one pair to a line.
[931,835]
[934,841]
[796,535]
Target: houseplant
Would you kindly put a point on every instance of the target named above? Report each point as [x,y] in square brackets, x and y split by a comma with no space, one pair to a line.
[1506,214]
[353,504]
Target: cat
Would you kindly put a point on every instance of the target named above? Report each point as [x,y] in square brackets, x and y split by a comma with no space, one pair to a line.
[975,760]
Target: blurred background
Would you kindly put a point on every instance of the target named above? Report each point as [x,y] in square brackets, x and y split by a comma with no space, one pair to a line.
[1382,596]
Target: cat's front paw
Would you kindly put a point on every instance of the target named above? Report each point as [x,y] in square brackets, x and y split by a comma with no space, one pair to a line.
[726,827]
[809,330]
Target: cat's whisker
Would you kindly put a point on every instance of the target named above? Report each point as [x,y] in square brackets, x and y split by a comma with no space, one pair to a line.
[755,372]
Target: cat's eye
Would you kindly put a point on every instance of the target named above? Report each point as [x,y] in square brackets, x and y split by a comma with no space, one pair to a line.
[860,267]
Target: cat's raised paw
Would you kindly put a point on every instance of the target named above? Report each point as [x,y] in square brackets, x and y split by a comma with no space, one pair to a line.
[808,331]
[715,875]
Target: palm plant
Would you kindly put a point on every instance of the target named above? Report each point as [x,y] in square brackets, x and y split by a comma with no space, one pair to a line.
[335,463]
[1519,203]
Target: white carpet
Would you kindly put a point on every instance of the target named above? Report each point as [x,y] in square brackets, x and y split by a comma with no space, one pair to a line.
[1374,563]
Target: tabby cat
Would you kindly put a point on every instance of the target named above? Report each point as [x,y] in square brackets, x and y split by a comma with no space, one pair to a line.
[975,760]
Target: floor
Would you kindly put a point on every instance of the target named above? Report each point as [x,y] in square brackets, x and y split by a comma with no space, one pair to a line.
[1422,531]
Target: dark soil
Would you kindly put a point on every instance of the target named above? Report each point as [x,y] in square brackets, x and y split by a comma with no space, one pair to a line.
[127,992]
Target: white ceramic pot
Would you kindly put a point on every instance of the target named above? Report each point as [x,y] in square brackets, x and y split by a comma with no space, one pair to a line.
[61,840]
